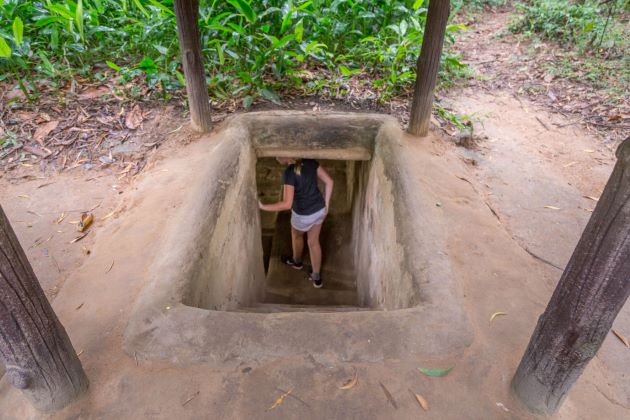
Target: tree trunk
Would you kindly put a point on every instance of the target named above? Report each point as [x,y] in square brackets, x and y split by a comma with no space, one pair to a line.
[428,66]
[187,15]
[592,290]
[34,346]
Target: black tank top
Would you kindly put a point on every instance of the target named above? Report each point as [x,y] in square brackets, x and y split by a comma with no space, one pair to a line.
[307,198]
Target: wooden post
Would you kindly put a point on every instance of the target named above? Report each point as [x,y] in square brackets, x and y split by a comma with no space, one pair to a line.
[187,15]
[34,346]
[592,290]
[428,66]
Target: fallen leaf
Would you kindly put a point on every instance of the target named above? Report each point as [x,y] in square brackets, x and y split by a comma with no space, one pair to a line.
[190,399]
[422,401]
[496,314]
[108,215]
[37,242]
[623,339]
[591,198]
[134,118]
[94,92]
[552,207]
[110,267]
[61,217]
[350,382]
[435,373]
[280,399]
[78,238]
[44,130]
[36,151]
[86,221]
[389,396]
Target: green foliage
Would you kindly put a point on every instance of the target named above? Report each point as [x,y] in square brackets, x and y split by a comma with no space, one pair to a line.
[476,5]
[585,24]
[251,47]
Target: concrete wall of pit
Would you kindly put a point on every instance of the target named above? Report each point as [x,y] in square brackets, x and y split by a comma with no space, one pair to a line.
[212,259]
[227,272]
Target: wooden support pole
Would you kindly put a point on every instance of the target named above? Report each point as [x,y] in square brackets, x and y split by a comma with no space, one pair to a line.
[592,290]
[187,16]
[34,346]
[428,66]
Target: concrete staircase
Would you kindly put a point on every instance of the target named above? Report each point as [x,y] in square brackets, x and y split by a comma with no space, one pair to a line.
[287,286]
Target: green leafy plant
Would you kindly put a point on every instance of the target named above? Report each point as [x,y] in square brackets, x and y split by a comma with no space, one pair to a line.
[586,24]
[251,48]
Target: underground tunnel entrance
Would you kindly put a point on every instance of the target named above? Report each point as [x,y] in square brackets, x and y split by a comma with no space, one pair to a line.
[236,263]
[212,294]
[287,286]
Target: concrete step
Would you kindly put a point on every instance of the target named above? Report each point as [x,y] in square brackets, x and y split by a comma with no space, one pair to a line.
[286,285]
[311,296]
[275,308]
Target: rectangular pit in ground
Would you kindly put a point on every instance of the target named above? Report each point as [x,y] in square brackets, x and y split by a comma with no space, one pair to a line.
[363,265]
[285,285]
[210,270]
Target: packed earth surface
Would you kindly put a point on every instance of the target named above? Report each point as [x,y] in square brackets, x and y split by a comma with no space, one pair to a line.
[514,195]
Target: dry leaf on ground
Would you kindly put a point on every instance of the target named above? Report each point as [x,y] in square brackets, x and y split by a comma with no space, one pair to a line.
[552,207]
[496,314]
[350,382]
[280,400]
[623,339]
[85,222]
[78,238]
[108,215]
[61,217]
[44,130]
[134,118]
[422,401]
[388,395]
[110,267]
[591,198]
[94,92]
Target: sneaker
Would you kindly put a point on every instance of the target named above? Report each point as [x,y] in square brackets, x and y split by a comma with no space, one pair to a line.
[316,283]
[291,263]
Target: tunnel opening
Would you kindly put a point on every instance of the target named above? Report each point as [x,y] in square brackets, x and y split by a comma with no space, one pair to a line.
[234,261]
[287,286]
[209,297]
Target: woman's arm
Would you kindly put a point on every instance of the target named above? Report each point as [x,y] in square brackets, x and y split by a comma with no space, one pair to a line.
[328,184]
[285,204]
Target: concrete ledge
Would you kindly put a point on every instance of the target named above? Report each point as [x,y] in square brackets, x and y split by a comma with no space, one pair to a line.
[408,267]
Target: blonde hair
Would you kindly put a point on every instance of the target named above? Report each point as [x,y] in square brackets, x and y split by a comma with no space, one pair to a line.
[297,167]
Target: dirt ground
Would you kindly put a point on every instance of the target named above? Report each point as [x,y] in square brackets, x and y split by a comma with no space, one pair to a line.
[517,201]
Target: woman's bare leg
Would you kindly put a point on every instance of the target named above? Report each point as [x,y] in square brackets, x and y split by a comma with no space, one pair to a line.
[314,248]
[297,242]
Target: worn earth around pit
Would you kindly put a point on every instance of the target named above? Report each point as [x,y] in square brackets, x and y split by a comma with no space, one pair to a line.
[515,230]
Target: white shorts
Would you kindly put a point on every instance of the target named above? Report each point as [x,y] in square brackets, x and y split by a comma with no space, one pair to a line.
[305,223]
